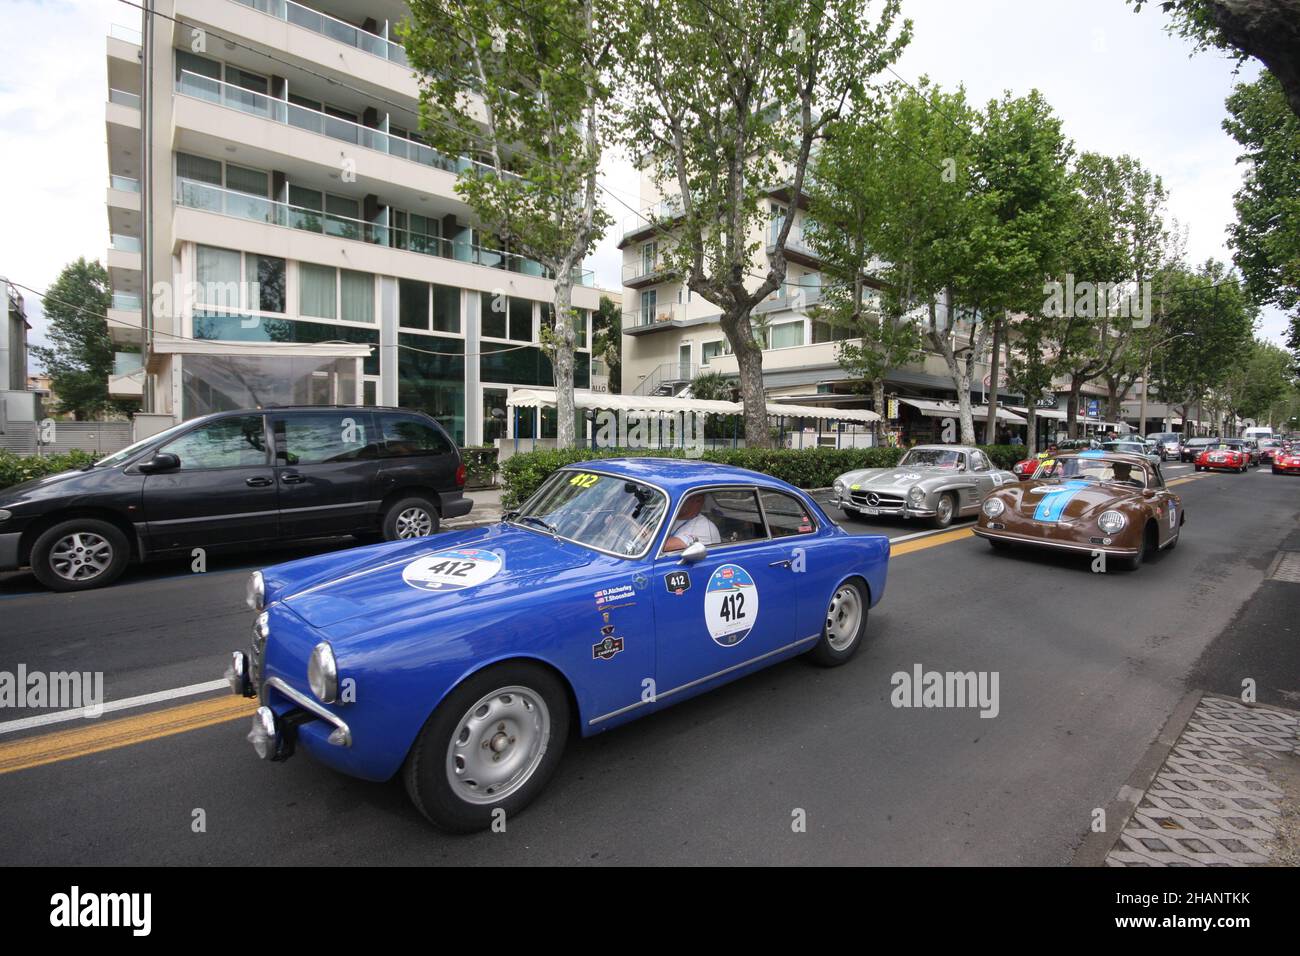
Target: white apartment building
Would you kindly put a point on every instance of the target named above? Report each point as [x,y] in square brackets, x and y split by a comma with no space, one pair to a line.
[281,235]
[671,335]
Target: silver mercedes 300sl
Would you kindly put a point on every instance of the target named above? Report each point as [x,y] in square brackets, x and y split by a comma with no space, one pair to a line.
[937,482]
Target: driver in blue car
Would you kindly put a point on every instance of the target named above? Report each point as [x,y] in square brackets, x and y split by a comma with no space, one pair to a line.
[692,526]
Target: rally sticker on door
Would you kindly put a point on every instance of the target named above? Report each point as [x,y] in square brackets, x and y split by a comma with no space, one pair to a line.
[452,570]
[730,605]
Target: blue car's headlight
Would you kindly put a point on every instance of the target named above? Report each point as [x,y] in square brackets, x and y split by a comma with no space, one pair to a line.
[323,673]
[255,591]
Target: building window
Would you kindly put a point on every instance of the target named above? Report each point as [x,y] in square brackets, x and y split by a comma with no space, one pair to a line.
[786,335]
[492,315]
[446,309]
[270,273]
[648,299]
[521,319]
[218,276]
[356,296]
[711,350]
[317,290]
[413,304]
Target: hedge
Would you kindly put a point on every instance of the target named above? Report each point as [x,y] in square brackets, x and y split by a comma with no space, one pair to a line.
[522,474]
[480,466]
[15,469]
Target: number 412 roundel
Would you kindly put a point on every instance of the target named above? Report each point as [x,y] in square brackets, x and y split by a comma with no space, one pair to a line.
[452,569]
[730,605]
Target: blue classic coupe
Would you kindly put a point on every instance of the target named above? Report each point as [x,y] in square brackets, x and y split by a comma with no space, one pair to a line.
[622,586]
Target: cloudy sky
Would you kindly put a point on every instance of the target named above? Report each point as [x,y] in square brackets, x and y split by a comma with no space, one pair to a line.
[1120,83]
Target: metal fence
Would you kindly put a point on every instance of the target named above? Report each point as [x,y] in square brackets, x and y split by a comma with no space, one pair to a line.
[99,438]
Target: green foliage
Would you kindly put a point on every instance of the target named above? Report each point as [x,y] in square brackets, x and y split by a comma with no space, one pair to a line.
[1266,235]
[15,469]
[79,359]
[480,466]
[803,467]
[607,341]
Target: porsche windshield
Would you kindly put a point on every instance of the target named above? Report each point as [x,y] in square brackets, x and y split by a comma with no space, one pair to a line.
[931,458]
[595,510]
[1093,469]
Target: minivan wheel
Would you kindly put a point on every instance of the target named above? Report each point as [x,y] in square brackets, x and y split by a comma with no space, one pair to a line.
[80,554]
[410,518]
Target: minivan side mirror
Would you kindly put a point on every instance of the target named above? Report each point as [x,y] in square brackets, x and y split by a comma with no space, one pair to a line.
[162,461]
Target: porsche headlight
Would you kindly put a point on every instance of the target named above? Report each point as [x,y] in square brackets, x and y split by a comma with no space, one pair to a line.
[323,674]
[994,507]
[255,591]
[916,495]
[1111,521]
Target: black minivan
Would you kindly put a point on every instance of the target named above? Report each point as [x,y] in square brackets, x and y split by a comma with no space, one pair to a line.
[236,479]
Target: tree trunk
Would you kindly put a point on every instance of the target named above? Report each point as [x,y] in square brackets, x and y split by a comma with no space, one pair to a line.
[565,411]
[1031,426]
[990,429]
[963,404]
[878,399]
[749,364]
[1072,409]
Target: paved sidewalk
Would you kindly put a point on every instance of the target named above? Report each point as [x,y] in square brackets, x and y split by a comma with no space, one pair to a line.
[486,510]
[1228,793]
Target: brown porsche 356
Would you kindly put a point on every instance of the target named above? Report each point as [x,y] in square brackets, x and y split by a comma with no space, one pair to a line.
[1090,502]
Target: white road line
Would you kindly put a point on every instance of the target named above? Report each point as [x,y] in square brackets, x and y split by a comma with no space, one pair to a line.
[78,713]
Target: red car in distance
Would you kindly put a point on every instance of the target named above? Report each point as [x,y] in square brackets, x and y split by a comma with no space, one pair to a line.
[1223,457]
[1286,462]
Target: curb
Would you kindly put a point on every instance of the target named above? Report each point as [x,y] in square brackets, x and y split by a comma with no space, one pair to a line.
[1119,811]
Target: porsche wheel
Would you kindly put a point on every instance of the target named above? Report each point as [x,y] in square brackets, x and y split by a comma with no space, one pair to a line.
[944,509]
[490,747]
[845,626]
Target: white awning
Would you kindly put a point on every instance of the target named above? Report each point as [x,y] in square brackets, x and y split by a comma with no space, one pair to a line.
[263,349]
[545,397]
[937,409]
[1048,413]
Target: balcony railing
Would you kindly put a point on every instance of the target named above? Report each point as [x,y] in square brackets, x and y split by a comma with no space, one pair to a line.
[325,25]
[126,302]
[661,211]
[124,184]
[205,88]
[125,34]
[646,314]
[228,202]
[643,268]
[123,98]
[124,243]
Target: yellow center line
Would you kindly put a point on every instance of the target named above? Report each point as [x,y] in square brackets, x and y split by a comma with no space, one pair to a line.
[112,734]
[921,544]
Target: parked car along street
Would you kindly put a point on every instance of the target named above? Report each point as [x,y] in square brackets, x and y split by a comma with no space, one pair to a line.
[938,482]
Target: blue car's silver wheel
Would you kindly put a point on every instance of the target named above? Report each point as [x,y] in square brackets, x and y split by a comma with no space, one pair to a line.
[498,744]
[845,625]
[490,747]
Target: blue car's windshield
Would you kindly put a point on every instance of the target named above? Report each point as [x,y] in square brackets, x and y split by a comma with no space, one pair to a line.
[595,510]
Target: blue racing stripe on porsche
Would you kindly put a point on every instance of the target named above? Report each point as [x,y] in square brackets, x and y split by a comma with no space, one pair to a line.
[1054,501]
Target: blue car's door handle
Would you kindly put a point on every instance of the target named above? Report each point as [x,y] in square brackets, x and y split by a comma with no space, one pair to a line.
[780,564]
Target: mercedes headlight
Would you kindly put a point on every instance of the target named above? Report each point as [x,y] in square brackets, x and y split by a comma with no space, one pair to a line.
[839,487]
[1111,521]
[916,495]
[994,507]
[323,673]
[255,591]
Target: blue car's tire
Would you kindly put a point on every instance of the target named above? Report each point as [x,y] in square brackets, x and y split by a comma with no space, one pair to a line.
[845,627]
[490,747]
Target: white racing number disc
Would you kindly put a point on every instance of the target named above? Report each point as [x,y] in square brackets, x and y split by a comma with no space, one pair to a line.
[730,605]
[452,569]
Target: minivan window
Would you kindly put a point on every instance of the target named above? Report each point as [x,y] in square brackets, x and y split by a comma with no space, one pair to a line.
[226,443]
[314,438]
[406,435]
[118,457]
